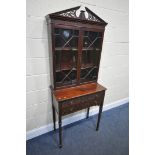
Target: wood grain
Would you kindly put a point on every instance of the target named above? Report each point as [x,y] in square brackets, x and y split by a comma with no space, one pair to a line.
[72,92]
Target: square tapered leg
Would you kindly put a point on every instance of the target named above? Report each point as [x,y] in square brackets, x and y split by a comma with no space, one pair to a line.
[87,112]
[99,116]
[60,132]
[54,117]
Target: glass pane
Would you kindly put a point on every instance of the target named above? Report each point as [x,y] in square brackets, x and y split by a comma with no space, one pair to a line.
[90,56]
[66,43]
[66,38]
[92,40]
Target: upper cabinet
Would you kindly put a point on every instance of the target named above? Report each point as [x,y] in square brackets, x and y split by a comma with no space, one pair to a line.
[75,45]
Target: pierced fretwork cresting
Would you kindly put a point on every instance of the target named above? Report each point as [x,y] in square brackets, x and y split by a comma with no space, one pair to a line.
[92,18]
[68,13]
[72,13]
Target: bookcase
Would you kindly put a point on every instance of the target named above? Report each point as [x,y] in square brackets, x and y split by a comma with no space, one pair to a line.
[75,46]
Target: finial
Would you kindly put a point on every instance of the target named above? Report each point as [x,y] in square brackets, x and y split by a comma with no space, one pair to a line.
[82,13]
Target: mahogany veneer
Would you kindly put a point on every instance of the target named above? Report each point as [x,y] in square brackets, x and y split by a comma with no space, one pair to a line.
[73,92]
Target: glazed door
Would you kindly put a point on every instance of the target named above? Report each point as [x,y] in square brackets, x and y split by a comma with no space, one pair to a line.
[90,57]
[66,56]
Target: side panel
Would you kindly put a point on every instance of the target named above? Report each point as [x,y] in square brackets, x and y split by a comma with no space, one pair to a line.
[50,44]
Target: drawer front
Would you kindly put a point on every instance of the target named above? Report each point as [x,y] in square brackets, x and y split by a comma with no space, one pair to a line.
[82,102]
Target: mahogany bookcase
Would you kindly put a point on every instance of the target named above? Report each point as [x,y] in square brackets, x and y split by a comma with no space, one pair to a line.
[75,46]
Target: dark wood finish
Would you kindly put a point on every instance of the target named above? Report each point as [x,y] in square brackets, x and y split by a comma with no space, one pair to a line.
[53,109]
[99,114]
[60,131]
[75,45]
[78,91]
[88,112]
[82,102]
[70,15]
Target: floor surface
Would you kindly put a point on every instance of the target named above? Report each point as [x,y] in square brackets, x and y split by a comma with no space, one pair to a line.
[81,138]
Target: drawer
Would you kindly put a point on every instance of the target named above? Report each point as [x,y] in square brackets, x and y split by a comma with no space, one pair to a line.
[82,102]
